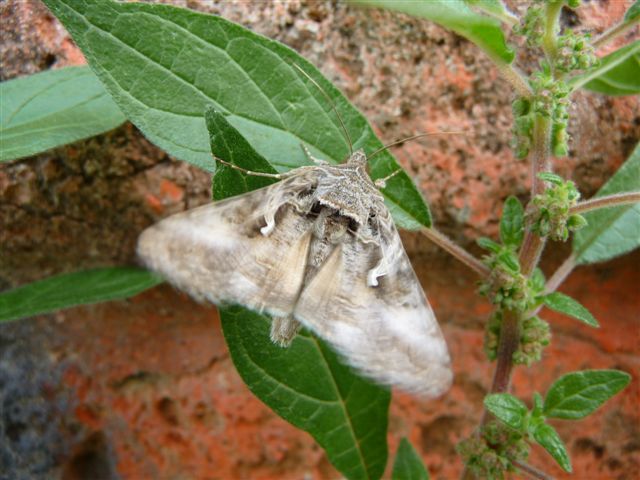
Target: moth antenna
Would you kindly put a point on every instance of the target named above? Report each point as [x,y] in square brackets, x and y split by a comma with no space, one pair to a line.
[413,137]
[248,172]
[333,105]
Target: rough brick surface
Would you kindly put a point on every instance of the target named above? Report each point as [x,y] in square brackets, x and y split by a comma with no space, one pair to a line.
[145,388]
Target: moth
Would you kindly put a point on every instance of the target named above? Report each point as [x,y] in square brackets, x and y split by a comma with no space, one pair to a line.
[318,248]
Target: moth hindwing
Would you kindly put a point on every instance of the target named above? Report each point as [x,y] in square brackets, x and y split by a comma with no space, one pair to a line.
[320,249]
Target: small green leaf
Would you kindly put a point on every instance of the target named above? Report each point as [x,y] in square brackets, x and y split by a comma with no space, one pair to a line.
[612,231]
[548,438]
[510,260]
[488,244]
[617,73]
[562,303]
[578,394]
[164,66]
[512,222]
[552,178]
[538,406]
[408,464]
[71,289]
[507,408]
[633,12]
[537,280]
[308,386]
[53,108]
[455,15]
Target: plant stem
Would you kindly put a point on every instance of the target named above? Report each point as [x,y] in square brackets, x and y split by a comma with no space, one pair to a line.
[614,32]
[533,244]
[606,201]
[457,251]
[549,40]
[517,80]
[560,274]
[532,471]
[509,341]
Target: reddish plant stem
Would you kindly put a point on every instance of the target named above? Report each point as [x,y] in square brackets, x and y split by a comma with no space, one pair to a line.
[614,32]
[457,251]
[533,472]
[625,198]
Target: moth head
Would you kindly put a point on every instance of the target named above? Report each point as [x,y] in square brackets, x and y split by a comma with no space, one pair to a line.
[358,159]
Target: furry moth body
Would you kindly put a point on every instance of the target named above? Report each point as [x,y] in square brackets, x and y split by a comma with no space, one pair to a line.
[319,248]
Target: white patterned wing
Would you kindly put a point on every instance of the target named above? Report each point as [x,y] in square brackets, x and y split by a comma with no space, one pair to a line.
[388,331]
[218,252]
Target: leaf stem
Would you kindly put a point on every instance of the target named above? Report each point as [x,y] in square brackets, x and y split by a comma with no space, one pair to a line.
[533,472]
[556,280]
[606,201]
[457,251]
[505,16]
[615,31]
[512,75]
[560,274]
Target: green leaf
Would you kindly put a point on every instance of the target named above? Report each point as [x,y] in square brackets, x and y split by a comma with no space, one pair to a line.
[507,408]
[455,15]
[633,12]
[578,394]
[617,73]
[309,387]
[488,244]
[408,464]
[612,231]
[71,289]
[228,144]
[164,66]
[494,8]
[53,108]
[512,222]
[551,178]
[549,439]
[562,303]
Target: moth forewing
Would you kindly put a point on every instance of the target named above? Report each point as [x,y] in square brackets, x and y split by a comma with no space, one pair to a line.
[319,248]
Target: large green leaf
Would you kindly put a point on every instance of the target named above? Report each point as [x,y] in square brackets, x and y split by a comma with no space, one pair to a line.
[305,384]
[308,386]
[71,289]
[578,394]
[163,65]
[53,108]
[457,16]
[617,74]
[408,464]
[612,231]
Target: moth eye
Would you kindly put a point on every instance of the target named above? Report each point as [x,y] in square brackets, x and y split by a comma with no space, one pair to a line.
[353,225]
[316,208]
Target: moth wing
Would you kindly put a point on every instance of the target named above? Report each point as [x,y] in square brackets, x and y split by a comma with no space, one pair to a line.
[218,252]
[388,331]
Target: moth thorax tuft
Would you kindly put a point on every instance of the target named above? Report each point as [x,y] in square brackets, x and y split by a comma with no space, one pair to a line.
[358,159]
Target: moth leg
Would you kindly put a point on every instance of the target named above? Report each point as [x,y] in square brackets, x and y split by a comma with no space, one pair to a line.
[283,330]
[382,182]
[249,172]
[317,161]
[378,271]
